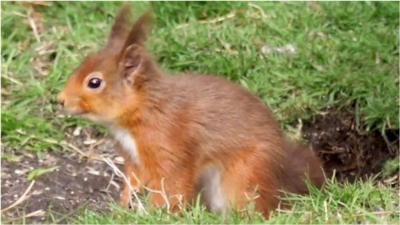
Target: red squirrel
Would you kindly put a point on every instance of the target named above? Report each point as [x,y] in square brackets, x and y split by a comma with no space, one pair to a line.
[190,135]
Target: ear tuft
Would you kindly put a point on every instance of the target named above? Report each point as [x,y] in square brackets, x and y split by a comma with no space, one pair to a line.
[120,29]
[136,64]
[140,30]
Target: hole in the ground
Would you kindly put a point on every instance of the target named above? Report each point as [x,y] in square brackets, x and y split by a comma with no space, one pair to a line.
[350,152]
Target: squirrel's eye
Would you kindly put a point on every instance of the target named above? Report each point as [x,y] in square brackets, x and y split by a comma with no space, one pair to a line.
[94,83]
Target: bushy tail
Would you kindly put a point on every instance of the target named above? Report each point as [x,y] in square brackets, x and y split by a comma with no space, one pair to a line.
[301,164]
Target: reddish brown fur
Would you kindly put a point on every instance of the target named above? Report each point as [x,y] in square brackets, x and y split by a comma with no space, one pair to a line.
[182,124]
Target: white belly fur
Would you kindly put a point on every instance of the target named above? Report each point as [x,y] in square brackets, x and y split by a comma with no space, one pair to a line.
[127,142]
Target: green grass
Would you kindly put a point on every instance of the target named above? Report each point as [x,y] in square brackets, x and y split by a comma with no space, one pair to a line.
[360,202]
[346,57]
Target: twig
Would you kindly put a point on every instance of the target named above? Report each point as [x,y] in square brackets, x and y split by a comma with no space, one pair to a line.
[21,199]
[19,14]
[285,210]
[162,192]
[211,21]
[133,191]
[11,79]
[259,9]
[39,212]
[92,146]
[109,182]
[74,148]
[36,213]
[33,25]
[118,172]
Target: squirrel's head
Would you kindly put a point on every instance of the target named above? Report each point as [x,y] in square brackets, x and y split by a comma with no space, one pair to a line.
[111,81]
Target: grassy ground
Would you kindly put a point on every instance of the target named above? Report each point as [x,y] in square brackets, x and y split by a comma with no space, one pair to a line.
[300,58]
[360,202]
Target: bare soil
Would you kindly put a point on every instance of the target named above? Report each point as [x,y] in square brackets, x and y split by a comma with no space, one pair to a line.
[347,150]
[84,182]
[78,181]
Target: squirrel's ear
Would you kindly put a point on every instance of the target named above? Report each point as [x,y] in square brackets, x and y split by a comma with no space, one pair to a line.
[138,33]
[136,64]
[133,63]
[120,29]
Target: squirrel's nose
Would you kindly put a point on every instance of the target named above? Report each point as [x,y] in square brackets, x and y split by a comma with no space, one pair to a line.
[61,98]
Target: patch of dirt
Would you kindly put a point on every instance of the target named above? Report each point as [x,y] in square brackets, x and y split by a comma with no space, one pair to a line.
[77,182]
[84,182]
[351,152]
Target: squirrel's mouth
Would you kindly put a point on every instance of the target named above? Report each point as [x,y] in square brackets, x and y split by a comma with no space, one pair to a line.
[94,118]
[72,112]
[83,114]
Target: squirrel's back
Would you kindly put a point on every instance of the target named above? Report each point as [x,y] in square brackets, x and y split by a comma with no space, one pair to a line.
[219,109]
